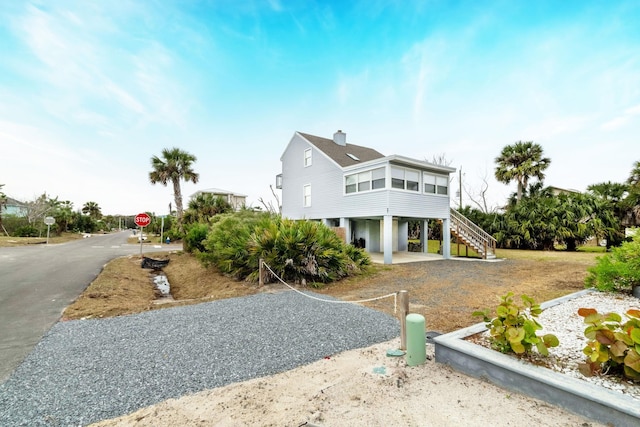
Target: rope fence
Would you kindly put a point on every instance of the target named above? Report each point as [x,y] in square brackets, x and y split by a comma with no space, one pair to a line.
[403,295]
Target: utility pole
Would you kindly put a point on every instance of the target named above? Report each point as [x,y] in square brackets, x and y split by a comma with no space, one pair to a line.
[460,183]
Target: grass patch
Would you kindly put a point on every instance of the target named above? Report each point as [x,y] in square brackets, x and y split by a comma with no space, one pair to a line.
[559,256]
[8,241]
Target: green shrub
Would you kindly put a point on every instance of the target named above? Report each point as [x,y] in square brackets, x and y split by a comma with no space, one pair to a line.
[195,236]
[514,327]
[27,231]
[617,271]
[613,346]
[297,251]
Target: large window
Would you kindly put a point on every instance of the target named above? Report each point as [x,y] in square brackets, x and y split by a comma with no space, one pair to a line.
[405,179]
[364,181]
[307,196]
[435,184]
[307,157]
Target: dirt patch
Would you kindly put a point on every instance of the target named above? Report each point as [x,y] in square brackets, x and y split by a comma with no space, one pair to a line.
[124,287]
[446,292]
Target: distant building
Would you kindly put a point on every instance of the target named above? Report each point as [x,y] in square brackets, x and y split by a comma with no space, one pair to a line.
[14,207]
[237,201]
[557,191]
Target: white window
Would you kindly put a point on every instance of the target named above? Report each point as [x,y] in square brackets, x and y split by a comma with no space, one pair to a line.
[307,157]
[413,179]
[443,185]
[377,178]
[307,196]
[351,184]
[364,181]
[429,183]
[405,179]
[435,184]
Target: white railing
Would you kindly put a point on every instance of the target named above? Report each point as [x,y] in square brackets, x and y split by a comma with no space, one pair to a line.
[476,237]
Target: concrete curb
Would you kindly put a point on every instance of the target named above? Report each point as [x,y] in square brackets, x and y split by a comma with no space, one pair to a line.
[576,396]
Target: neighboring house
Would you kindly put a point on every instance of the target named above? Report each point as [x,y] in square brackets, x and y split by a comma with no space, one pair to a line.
[14,207]
[370,195]
[556,191]
[237,201]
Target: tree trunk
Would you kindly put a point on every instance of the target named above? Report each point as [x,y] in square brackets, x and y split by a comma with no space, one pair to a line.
[177,194]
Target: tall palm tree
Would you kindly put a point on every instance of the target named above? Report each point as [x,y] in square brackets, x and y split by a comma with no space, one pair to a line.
[174,166]
[92,209]
[520,162]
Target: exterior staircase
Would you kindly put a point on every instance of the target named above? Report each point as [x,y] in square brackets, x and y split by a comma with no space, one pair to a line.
[472,236]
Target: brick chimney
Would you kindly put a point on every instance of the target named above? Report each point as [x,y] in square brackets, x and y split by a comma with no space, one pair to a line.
[340,138]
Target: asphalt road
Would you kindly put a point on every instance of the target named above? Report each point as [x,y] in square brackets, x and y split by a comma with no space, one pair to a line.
[38,282]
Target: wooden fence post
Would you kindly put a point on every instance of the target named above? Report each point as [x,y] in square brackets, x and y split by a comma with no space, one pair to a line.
[403,303]
[261,273]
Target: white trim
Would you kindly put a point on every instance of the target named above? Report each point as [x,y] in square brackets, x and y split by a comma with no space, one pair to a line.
[308,160]
[304,196]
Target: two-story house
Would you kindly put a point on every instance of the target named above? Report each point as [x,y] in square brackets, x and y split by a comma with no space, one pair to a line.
[370,195]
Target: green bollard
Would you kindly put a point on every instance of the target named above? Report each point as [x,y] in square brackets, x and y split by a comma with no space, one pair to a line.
[416,340]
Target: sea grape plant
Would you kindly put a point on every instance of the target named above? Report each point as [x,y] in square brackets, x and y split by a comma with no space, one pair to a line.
[514,327]
[613,346]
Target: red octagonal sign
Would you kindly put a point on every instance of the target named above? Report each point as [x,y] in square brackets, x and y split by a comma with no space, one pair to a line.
[142,220]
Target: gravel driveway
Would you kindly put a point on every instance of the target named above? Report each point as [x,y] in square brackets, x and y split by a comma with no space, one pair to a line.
[89,370]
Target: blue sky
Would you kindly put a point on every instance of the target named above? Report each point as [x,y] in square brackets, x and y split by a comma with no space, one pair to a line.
[90,90]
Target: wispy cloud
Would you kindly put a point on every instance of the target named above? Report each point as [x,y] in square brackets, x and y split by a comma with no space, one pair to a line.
[99,71]
[621,120]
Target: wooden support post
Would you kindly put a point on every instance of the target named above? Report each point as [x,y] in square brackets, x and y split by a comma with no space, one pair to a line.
[403,304]
[261,273]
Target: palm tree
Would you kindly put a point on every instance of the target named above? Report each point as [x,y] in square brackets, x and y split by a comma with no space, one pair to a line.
[92,209]
[520,162]
[174,165]
[611,197]
[632,201]
[63,215]
[205,206]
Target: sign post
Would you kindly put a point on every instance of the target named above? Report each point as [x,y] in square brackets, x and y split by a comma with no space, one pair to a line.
[49,221]
[142,220]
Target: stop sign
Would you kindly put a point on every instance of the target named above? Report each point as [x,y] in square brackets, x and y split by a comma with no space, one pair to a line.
[142,220]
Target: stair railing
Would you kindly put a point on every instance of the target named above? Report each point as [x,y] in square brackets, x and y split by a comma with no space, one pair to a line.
[467,229]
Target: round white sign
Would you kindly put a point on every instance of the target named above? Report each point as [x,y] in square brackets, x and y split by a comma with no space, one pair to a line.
[49,220]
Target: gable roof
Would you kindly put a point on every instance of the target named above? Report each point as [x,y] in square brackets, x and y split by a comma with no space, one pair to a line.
[343,155]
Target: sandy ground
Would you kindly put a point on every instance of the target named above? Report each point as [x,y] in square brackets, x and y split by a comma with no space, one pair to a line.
[362,387]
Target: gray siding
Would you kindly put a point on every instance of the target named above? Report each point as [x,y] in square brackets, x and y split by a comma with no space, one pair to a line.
[324,176]
[407,204]
[328,199]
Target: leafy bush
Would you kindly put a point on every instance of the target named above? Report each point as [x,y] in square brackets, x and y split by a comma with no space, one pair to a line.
[195,236]
[173,234]
[617,271]
[613,347]
[26,231]
[514,327]
[298,251]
